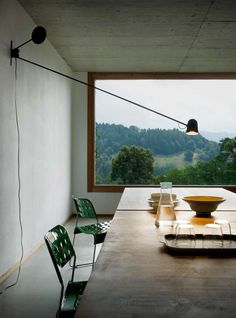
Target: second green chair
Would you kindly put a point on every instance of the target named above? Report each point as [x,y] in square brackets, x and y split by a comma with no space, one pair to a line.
[85,209]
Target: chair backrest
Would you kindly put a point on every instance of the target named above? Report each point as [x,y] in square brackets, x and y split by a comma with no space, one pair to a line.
[60,249]
[84,207]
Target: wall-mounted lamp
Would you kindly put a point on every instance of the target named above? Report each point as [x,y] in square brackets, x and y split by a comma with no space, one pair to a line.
[38,37]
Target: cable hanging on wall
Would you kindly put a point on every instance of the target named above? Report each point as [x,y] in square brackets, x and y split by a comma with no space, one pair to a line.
[18,181]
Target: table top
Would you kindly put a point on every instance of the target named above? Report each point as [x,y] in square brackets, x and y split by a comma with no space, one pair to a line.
[137,198]
[135,276]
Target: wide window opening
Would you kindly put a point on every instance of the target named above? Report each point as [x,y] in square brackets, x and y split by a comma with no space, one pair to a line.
[132,146]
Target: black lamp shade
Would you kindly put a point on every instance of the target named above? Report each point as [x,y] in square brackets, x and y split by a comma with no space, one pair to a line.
[39,35]
[192,127]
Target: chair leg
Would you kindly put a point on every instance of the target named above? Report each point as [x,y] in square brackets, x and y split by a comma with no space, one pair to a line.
[78,265]
[58,314]
[84,264]
[73,242]
[94,253]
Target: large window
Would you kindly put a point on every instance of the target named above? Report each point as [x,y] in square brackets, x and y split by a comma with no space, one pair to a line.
[128,145]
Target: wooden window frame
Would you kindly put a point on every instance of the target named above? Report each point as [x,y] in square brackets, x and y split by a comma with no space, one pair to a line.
[92,77]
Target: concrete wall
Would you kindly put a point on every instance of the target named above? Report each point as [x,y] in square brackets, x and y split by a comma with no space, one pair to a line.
[44,109]
[105,203]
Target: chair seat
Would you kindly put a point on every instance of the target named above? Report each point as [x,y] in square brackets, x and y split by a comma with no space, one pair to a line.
[98,231]
[93,229]
[71,298]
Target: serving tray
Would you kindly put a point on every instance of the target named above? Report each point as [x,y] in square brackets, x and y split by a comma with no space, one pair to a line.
[210,245]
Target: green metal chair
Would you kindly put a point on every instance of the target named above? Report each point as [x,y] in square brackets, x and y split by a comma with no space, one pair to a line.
[62,252]
[85,209]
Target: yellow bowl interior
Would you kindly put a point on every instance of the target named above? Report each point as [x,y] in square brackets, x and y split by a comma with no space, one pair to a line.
[203,198]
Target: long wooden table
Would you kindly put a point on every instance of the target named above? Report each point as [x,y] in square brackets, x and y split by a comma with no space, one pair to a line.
[135,277]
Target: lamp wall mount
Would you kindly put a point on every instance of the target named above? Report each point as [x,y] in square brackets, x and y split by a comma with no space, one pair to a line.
[15,53]
[38,36]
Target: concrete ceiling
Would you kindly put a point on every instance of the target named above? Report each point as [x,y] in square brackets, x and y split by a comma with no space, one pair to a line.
[140,36]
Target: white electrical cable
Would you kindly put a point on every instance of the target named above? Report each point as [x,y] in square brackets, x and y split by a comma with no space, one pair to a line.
[19,183]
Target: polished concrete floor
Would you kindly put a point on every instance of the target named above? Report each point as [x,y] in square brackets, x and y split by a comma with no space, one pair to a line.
[36,294]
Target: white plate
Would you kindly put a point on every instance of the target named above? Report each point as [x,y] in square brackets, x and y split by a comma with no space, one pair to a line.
[156,201]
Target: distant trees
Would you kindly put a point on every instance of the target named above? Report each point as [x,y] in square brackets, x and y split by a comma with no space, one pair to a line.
[148,156]
[228,150]
[219,170]
[132,165]
[158,141]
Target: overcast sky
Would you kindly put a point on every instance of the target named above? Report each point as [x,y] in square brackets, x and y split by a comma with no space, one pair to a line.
[211,102]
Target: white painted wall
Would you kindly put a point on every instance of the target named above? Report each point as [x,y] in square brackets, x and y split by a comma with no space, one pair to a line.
[44,109]
[105,203]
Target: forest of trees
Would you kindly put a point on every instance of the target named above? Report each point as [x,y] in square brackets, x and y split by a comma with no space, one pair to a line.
[133,156]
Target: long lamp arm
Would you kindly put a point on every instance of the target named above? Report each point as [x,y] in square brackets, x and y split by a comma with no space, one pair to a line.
[100,89]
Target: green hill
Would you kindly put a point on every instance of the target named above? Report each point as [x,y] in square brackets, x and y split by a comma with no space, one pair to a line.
[160,141]
[170,148]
